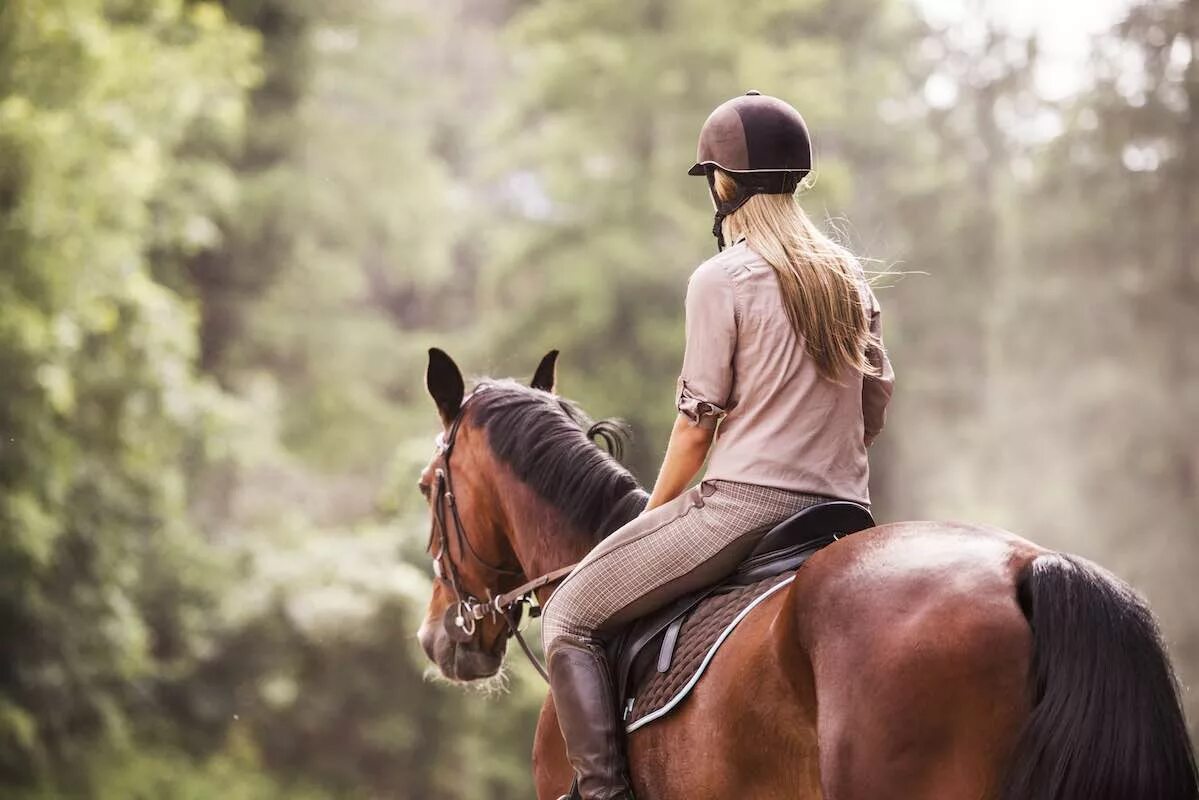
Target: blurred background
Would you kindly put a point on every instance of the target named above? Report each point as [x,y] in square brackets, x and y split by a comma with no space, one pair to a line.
[230,230]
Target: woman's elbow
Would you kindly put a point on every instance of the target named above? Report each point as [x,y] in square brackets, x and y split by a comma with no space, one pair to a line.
[693,436]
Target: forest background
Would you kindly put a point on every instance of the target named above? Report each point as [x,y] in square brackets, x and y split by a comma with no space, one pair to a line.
[229,231]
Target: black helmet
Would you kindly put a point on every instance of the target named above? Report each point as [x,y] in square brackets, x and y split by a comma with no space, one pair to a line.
[761,142]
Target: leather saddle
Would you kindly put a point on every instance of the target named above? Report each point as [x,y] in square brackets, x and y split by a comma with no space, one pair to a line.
[649,643]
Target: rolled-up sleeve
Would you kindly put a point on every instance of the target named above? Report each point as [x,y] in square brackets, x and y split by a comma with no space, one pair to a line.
[705,384]
[876,389]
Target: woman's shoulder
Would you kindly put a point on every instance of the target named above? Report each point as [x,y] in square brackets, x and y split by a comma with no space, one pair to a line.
[725,266]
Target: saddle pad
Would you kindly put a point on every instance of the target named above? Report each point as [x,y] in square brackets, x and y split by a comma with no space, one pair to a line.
[655,694]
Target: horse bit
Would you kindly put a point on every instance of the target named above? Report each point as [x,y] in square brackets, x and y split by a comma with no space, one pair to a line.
[467,609]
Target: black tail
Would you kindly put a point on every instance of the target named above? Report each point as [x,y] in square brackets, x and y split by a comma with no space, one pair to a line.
[1107,722]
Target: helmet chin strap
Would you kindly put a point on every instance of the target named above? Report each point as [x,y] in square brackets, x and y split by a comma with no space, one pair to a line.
[726,207]
[774,183]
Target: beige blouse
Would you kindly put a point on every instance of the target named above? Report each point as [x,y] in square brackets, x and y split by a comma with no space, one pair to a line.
[780,423]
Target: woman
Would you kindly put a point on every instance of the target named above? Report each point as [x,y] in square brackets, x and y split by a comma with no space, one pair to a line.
[784,385]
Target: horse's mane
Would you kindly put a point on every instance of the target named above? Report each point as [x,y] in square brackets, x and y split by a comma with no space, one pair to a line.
[550,444]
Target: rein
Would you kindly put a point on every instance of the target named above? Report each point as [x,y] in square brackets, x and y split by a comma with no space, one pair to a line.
[467,608]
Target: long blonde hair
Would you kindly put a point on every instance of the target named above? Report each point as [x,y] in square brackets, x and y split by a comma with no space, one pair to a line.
[819,279]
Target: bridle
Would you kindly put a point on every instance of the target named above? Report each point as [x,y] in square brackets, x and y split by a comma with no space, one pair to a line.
[461,618]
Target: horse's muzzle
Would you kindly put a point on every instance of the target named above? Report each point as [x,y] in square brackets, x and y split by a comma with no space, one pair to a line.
[458,662]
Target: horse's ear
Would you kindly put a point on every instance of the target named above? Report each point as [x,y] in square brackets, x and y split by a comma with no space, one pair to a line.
[547,372]
[443,379]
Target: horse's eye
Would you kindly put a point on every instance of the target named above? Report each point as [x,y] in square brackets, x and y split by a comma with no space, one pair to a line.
[425,489]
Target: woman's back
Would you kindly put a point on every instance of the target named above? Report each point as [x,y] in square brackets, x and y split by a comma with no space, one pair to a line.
[782,424]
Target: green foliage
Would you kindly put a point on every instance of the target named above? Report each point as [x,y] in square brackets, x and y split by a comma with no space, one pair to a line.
[159,773]
[100,393]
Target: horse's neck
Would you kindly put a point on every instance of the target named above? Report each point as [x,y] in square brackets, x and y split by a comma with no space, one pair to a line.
[623,510]
[542,538]
[545,540]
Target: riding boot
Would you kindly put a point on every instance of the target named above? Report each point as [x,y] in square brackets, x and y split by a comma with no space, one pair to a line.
[584,699]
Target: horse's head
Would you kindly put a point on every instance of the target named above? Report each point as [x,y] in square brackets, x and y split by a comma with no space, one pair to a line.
[470,538]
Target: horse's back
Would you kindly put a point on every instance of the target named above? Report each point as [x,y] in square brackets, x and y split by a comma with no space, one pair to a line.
[919,654]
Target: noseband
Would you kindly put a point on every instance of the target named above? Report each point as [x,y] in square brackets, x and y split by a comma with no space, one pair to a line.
[461,618]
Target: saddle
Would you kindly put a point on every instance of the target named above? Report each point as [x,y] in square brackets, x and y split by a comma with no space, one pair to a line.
[658,659]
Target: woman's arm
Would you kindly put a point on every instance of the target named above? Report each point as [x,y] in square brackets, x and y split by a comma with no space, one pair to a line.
[685,454]
[705,387]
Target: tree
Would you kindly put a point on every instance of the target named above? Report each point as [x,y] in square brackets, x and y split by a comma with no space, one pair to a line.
[100,394]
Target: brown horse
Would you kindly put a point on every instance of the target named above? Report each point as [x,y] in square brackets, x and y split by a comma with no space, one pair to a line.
[913,660]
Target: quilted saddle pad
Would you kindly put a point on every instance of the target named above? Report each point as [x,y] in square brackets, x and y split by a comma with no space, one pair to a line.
[664,675]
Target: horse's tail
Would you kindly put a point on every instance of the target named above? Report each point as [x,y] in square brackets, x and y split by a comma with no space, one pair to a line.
[1107,722]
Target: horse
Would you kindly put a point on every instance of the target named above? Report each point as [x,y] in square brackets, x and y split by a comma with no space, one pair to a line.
[912,660]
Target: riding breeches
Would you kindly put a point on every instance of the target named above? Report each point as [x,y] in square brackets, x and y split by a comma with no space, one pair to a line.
[679,547]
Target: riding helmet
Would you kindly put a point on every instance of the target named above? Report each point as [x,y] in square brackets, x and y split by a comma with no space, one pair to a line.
[762,142]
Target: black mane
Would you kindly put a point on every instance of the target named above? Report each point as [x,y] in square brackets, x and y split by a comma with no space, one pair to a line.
[549,443]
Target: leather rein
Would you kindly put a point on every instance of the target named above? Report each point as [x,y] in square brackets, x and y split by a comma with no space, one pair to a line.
[467,609]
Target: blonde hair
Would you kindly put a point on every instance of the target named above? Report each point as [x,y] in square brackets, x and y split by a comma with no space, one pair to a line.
[819,279]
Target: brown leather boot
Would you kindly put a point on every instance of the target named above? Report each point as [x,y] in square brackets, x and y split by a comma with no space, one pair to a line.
[586,706]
